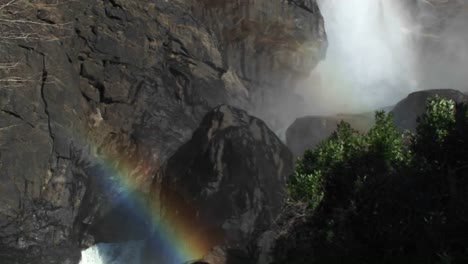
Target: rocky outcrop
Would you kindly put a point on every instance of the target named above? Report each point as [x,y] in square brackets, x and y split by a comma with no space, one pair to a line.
[406,112]
[269,45]
[228,181]
[265,37]
[90,87]
[307,132]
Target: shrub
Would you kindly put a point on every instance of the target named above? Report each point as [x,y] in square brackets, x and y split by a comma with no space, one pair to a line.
[389,197]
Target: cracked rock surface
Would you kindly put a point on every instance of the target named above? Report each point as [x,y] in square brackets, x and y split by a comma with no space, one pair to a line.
[89,85]
[228,180]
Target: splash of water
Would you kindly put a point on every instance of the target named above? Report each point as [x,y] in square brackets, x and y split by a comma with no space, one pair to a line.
[119,253]
[369,60]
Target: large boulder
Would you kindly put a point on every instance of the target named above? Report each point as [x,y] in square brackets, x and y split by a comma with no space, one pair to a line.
[228,182]
[307,132]
[407,111]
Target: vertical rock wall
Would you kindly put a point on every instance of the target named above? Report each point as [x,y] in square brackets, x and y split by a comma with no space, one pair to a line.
[89,85]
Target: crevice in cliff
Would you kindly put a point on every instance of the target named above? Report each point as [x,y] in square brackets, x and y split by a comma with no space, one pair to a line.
[17,116]
[44,100]
[30,49]
[182,48]
[220,70]
[301,4]
[110,101]
[115,4]
[86,97]
[182,51]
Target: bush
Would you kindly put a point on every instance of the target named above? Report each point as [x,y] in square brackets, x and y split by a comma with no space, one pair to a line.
[387,197]
[347,154]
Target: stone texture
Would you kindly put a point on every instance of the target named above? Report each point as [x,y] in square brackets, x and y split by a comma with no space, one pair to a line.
[87,87]
[229,179]
[269,45]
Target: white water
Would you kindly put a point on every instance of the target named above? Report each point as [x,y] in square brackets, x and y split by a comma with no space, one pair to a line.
[119,253]
[369,60]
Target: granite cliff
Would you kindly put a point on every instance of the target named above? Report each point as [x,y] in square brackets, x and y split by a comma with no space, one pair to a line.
[92,85]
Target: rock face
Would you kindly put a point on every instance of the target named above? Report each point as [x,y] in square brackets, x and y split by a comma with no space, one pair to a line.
[262,30]
[269,45]
[91,87]
[228,180]
[409,109]
[307,132]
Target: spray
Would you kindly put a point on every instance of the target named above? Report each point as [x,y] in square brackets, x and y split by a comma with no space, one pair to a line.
[370,59]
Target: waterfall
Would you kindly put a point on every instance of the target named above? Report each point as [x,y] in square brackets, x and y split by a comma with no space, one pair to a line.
[369,61]
[116,253]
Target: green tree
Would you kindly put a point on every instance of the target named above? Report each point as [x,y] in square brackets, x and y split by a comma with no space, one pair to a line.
[387,197]
[307,183]
[347,155]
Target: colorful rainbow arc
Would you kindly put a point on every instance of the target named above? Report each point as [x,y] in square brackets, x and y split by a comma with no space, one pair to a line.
[174,240]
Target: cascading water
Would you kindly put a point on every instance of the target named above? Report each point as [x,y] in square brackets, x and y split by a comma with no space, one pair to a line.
[369,60]
[119,253]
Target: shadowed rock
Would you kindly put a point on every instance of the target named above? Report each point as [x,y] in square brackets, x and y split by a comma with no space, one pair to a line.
[228,182]
[307,132]
[409,109]
[122,84]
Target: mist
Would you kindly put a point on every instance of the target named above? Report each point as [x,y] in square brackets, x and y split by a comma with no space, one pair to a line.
[443,44]
[382,50]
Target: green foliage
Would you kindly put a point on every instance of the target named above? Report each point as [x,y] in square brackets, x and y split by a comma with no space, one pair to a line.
[307,187]
[387,197]
[437,122]
[307,183]
[439,134]
[384,140]
[346,149]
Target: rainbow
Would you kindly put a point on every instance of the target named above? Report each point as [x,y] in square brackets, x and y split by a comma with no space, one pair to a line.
[174,238]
